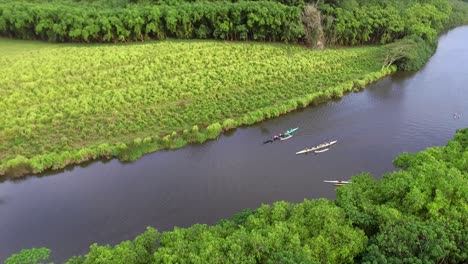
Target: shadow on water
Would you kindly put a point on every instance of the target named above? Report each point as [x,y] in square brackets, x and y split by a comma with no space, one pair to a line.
[47,173]
[230,132]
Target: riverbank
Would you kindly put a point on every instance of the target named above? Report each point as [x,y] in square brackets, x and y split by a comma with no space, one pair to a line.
[66,104]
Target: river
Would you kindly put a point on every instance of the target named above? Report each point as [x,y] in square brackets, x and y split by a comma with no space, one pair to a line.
[108,202]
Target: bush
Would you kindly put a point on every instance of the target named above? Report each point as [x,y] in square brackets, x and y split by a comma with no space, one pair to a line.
[413,52]
[166,141]
[214,130]
[29,256]
[18,166]
[229,124]
[201,137]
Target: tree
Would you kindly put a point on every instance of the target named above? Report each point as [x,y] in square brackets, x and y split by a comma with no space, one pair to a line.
[313,31]
[139,251]
[411,241]
[398,50]
[29,256]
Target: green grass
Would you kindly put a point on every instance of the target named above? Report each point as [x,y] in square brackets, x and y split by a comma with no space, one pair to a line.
[64,104]
[9,47]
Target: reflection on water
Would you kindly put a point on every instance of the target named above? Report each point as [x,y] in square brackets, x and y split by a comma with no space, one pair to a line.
[107,202]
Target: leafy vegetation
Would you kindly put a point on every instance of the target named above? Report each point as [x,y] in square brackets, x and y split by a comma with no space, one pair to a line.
[26,256]
[414,215]
[339,22]
[66,104]
[352,22]
[459,13]
[409,53]
[59,22]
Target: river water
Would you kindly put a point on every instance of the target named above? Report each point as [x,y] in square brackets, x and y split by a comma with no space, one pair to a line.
[108,202]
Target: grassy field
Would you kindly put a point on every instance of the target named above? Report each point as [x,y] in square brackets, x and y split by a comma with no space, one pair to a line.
[64,104]
[9,47]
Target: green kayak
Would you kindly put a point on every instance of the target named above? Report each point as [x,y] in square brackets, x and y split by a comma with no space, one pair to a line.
[291,131]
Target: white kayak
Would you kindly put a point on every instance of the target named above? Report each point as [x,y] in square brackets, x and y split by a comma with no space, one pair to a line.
[339,182]
[323,145]
[284,138]
[320,151]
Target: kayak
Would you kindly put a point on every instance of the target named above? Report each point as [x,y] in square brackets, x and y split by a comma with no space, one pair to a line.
[286,135]
[338,182]
[323,145]
[320,151]
[291,131]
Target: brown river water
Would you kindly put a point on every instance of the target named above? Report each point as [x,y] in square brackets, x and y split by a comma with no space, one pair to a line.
[108,202]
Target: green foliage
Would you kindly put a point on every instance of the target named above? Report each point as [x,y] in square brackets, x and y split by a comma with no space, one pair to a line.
[214,130]
[229,123]
[29,256]
[313,231]
[59,22]
[17,166]
[412,241]
[342,22]
[420,56]
[351,22]
[410,53]
[56,110]
[76,260]
[425,21]
[138,251]
[459,14]
[418,213]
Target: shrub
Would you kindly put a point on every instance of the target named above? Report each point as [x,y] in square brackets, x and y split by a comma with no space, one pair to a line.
[34,255]
[214,130]
[229,124]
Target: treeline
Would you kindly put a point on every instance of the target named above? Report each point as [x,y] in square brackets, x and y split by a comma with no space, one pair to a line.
[316,24]
[415,215]
[338,22]
[459,13]
[412,26]
[352,22]
[57,22]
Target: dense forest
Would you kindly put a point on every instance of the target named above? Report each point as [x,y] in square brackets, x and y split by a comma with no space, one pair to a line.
[417,214]
[334,22]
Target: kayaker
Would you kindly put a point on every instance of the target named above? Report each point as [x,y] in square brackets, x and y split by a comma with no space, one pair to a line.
[275,137]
